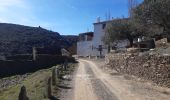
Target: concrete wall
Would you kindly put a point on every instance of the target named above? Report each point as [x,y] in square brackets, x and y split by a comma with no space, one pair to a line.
[84,48]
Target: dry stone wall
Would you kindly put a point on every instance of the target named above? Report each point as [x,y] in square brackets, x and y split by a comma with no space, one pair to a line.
[148,66]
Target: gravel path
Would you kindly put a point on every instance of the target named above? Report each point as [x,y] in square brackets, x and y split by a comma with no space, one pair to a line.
[92,83]
[83,86]
[98,85]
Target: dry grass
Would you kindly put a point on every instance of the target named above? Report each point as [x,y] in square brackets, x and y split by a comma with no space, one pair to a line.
[36,85]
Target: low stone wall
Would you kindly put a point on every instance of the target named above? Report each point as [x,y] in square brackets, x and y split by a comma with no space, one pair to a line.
[148,66]
[19,67]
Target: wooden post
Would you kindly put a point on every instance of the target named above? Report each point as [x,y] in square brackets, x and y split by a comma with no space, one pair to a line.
[49,91]
[108,48]
[57,73]
[65,65]
[54,81]
[23,94]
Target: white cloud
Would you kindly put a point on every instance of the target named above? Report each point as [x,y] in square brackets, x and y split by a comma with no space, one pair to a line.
[6,4]
[12,9]
[19,12]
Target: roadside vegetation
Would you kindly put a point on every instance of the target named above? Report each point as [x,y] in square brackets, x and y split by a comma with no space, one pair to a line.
[37,84]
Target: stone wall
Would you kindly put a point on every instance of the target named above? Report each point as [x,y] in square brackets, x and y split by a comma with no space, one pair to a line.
[18,67]
[149,66]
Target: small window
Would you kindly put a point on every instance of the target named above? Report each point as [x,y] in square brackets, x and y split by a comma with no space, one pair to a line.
[103,26]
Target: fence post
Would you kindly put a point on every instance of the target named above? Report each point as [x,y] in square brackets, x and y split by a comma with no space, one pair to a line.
[65,64]
[54,81]
[49,91]
[23,94]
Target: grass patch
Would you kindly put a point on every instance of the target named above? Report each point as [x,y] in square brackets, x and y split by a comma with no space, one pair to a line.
[36,85]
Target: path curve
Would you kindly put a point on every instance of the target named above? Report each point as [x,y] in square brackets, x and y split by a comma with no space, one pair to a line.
[91,83]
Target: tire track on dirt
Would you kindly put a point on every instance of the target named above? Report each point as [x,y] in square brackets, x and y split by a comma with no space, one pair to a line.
[115,86]
[101,90]
[123,89]
[83,87]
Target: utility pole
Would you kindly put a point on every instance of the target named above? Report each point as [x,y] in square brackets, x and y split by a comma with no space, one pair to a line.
[108,15]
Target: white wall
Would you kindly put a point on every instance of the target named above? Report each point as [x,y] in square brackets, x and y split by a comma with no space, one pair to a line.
[84,48]
[98,34]
[97,40]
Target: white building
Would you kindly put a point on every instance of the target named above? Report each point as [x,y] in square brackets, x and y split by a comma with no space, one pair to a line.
[89,45]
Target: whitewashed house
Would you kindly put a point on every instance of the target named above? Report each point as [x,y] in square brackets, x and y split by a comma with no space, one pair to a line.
[90,42]
[90,47]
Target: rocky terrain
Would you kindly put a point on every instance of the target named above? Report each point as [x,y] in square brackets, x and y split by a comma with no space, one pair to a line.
[153,65]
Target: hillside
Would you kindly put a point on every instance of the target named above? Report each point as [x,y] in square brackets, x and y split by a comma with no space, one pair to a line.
[72,40]
[19,39]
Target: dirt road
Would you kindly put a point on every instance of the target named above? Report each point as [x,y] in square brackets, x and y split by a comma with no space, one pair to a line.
[92,83]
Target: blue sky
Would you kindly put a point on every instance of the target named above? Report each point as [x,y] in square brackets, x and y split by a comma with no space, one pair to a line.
[68,17]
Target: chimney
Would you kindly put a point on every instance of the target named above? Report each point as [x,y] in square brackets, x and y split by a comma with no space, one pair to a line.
[98,19]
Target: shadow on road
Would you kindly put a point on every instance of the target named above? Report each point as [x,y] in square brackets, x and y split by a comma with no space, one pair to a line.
[64,87]
[53,98]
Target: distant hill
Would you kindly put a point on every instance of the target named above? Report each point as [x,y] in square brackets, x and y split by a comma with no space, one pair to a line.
[19,39]
[72,40]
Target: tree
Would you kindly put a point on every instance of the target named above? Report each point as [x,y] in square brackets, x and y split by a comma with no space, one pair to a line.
[160,14]
[118,29]
[153,13]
